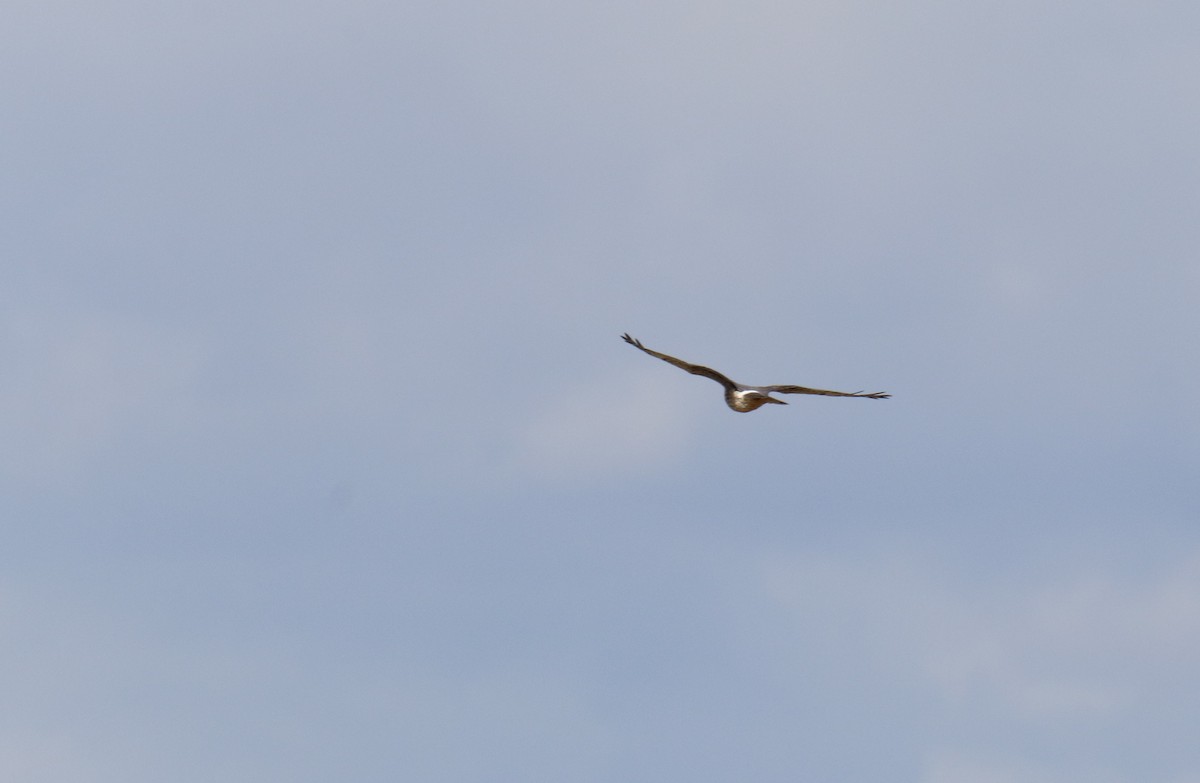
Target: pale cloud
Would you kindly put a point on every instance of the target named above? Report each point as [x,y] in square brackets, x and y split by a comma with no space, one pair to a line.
[31,756]
[603,426]
[1088,645]
[79,383]
[952,766]
[1019,286]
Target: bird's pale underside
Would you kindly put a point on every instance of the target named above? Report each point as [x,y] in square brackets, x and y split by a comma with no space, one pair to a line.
[739,396]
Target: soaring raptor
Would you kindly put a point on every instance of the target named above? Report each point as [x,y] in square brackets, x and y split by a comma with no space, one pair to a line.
[739,396]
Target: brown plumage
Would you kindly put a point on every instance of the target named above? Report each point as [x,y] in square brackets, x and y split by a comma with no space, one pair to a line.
[739,396]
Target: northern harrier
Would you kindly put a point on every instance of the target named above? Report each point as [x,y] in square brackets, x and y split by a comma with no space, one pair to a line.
[743,398]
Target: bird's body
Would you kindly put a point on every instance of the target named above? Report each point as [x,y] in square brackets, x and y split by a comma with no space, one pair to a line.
[739,396]
[746,400]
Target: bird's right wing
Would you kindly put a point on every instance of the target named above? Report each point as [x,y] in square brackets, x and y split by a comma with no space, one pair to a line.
[824,392]
[694,369]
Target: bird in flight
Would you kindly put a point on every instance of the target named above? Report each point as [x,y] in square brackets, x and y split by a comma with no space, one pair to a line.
[739,396]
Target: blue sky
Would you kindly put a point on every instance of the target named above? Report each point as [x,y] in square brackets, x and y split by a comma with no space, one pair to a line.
[321,456]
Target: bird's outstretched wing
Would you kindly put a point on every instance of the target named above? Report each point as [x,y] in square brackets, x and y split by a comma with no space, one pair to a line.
[694,369]
[824,392]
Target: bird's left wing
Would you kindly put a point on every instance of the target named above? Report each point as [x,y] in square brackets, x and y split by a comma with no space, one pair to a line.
[824,392]
[694,369]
